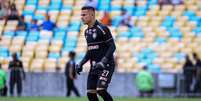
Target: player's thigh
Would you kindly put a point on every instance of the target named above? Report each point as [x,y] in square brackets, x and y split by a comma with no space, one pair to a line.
[105,78]
[92,82]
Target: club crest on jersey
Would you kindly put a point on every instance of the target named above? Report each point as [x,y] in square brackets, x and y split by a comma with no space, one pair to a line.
[94,35]
[94,30]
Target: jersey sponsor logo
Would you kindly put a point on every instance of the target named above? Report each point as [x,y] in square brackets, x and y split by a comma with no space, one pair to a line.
[93,47]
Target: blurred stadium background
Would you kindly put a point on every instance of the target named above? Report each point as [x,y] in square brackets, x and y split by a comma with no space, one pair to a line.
[160,38]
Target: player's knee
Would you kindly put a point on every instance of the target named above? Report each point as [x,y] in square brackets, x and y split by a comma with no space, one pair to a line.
[91,91]
[92,96]
[101,91]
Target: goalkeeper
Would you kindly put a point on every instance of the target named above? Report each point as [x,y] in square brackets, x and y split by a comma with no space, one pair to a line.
[100,49]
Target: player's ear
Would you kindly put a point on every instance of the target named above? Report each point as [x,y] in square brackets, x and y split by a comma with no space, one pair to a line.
[92,14]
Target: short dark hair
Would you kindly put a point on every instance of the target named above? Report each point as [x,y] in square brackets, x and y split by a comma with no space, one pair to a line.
[88,8]
[145,67]
[72,54]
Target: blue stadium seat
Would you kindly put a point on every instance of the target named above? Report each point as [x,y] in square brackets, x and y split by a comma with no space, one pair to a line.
[74,26]
[168,21]
[56,2]
[180,56]
[28,12]
[154,68]
[140,11]
[152,2]
[68,49]
[38,17]
[125,34]
[146,56]
[70,43]
[129,9]
[33,36]
[54,55]
[106,4]
[116,21]
[9,33]
[160,40]
[175,33]
[43,7]
[60,35]
[55,5]
[66,7]
[22,33]
[31,2]
[4,52]
[189,13]
[137,35]
[115,8]
[197,31]
[79,57]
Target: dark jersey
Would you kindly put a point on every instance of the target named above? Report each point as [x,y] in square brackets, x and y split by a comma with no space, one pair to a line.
[70,66]
[16,68]
[198,64]
[100,44]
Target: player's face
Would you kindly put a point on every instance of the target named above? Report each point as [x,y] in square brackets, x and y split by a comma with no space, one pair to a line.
[86,16]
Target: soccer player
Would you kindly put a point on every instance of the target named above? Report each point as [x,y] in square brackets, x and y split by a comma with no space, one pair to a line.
[71,75]
[17,74]
[3,78]
[100,49]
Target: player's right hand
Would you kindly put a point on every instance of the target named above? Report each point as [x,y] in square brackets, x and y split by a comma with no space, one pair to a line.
[78,69]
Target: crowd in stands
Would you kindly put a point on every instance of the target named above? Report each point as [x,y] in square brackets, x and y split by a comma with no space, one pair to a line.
[8,11]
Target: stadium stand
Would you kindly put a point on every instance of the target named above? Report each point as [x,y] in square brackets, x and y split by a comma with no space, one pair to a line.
[159,39]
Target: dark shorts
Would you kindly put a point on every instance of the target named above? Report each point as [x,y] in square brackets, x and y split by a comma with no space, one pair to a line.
[101,79]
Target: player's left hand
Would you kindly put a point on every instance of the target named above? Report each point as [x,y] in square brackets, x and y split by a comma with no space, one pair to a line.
[102,63]
[78,69]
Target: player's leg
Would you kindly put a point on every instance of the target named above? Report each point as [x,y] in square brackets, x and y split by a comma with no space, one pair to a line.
[1,92]
[19,87]
[69,87]
[92,96]
[104,94]
[104,80]
[5,90]
[11,84]
[75,89]
[91,87]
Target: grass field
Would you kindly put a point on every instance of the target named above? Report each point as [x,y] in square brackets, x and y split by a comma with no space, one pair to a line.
[85,99]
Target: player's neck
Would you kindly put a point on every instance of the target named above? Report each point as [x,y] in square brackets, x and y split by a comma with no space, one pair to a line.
[92,23]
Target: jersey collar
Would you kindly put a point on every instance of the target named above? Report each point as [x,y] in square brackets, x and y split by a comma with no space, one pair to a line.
[95,24]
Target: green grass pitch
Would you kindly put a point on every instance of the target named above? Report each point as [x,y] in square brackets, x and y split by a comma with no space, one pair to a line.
[85,99]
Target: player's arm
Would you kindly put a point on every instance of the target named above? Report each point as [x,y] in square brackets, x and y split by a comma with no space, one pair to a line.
[109,41]
[22,69]
[71,71]
[83,61]
[66,69]
[10,65]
